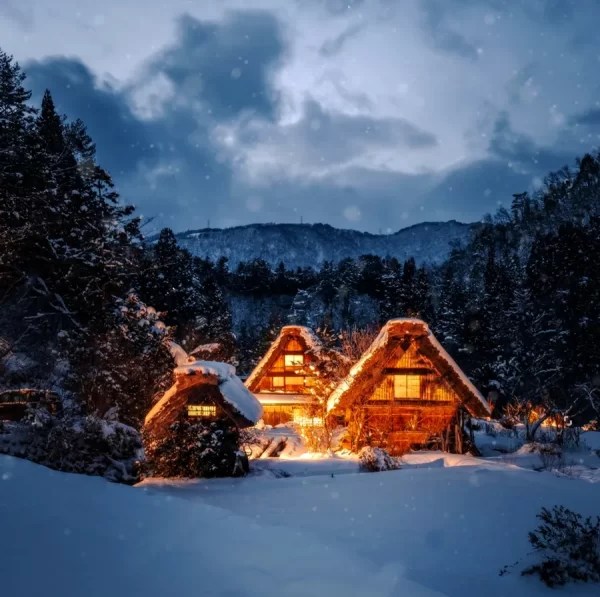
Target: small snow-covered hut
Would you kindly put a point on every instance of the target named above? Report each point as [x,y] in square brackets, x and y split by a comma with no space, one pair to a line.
[296,373]
[204,390]
[406,390]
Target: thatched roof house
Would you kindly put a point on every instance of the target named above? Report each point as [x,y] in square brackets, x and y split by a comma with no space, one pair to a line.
[204,390]
[296,372]
[406,390]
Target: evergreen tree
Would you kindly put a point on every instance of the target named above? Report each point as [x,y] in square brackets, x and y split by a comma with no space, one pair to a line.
[392,303]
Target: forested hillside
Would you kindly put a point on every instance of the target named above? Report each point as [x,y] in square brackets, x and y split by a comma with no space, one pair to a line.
[303,245]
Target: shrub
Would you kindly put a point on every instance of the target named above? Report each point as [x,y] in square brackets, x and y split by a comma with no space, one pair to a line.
[371,460]
[196,449]
[85,445]
[570,547]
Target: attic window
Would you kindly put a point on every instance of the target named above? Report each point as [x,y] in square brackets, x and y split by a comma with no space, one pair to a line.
[407,386]
[202,410]
[293,360]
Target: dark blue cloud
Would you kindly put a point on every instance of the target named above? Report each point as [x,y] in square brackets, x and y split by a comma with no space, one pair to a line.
[589,117]
[521,151]
[227,65]
[441,35]
[123,140]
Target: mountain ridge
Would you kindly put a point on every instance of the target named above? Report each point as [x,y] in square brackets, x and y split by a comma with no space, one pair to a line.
[303,245]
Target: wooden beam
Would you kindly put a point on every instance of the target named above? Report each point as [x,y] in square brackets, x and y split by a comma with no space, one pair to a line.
[415,371]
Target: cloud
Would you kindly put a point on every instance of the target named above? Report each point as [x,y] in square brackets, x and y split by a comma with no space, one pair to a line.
[589,117]
[370,114]
[123,141]
[334,7]
[154,135]
[522,153]
[19,11]
[334,46]
[319,143]
[228,65]
[441,33]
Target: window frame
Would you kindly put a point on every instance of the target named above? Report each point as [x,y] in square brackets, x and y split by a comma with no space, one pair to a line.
[403,391]
[201,411]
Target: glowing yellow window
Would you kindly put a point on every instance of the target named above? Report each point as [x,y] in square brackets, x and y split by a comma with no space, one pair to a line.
[294,360]
[407,386]
[278,382]
[294,381]
[202,410]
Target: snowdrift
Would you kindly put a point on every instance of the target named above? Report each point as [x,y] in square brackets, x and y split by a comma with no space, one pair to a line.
[77,536]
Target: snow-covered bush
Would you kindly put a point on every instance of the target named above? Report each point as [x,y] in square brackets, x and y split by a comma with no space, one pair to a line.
[190,449]
[85,445]
[570,547]
[372,460]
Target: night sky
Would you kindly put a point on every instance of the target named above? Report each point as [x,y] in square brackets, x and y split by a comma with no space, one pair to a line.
[372,114]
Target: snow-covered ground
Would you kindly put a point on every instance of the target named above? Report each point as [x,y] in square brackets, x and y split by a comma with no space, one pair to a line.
[443,525]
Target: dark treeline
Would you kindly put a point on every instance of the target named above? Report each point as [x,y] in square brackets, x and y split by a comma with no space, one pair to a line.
[89,308]
[519,306]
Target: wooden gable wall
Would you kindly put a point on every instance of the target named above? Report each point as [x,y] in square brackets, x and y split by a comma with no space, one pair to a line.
[289,369]
[397,416]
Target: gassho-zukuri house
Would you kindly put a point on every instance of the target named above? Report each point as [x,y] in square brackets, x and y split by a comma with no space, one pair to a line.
[405,391]
[291,378]
[204,390]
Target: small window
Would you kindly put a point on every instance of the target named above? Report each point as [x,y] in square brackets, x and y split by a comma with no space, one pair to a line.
[294,360]
[278,382]
[294,381]
[407,386]
[202,410]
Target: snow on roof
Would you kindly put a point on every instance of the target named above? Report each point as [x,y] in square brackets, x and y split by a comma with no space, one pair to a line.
[382,340]
[178,353]
[310,338]
[211,347]
[234,392]
[344,385]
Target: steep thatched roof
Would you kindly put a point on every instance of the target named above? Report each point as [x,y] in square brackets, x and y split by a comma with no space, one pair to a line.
[234,398]
[305,336]
[401,333]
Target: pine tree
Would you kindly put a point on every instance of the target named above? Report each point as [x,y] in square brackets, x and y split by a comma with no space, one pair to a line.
[392,304]
[16,139]
[124,366]
[409,271]
[423,299]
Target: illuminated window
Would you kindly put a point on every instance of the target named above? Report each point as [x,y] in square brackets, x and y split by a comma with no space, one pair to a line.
[305,420]
[278,382]
[202,410]
[294,360]
[407,386]
[294,381]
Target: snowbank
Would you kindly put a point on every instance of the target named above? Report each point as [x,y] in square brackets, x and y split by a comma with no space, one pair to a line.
[592,440]
[449,528]
[77,536]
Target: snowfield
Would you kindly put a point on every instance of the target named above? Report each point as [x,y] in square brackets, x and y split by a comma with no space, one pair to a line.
[444,525]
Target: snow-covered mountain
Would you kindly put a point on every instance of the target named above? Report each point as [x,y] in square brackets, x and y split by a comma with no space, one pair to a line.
[312,244]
